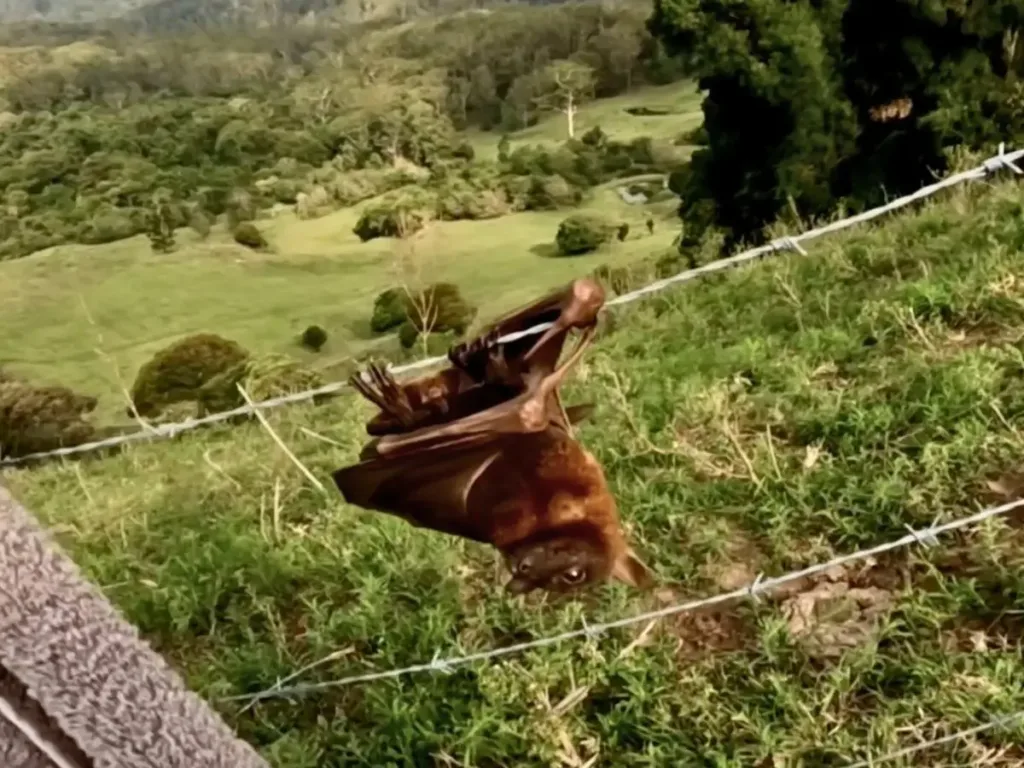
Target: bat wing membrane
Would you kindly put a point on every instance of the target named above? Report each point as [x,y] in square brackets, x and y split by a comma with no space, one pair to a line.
[427,488]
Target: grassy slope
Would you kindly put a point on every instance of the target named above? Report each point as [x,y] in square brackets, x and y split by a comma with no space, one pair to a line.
[757,421]
[82,316]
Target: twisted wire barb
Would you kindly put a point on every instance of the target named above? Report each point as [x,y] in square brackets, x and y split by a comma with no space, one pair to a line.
[999,722]
[592,631]
[1002,160]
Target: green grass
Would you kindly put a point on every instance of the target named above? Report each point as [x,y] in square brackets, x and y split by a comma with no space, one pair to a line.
[757,421]
[680,100]
[88,317]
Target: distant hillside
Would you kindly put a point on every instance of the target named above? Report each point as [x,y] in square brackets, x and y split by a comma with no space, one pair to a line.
[169,15]
[12,11]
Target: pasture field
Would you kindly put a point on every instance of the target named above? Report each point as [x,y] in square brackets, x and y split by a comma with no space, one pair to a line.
[676,107]
[753,422]
[87,317]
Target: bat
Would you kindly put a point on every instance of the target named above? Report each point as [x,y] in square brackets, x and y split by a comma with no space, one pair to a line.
[485,450]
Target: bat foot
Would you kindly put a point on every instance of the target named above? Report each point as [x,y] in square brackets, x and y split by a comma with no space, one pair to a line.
[470,356]
[384,392]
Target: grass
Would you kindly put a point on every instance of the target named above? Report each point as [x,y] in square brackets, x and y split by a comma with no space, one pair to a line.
[757,421]
[88,317]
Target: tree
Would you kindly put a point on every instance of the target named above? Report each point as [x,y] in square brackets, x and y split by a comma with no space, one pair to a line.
[160,224]
[619,48]
[566,85]
[482,101]
[519,101]
[777,120]
[812,102]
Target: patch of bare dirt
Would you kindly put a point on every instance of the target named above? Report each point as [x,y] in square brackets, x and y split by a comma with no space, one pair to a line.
[833,617]
[842,608]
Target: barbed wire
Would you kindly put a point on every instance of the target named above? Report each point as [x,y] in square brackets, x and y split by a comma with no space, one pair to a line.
[926,537]
[999,722]
[1002,160]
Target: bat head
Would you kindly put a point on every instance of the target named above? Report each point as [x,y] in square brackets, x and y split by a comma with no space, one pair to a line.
[570,560]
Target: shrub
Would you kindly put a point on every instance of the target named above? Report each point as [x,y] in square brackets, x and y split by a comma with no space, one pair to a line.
[285,191]
[583,233]
[239,206]
[464,151]
[595,137]
[460,199]
[352,188]
[161,241]
[314,338]
[389,310]
[41,418]
[107,226]
[246,233]
[314,204]
[407,334]
[398,214]
[160,221]
[179,371]
[200,222]
[439,308]
[548,193]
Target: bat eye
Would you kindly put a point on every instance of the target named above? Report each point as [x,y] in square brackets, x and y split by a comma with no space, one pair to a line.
[574,575]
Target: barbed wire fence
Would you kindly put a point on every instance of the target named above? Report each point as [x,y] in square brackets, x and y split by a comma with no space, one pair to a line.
[446,665]
[924,536]
[1002,160]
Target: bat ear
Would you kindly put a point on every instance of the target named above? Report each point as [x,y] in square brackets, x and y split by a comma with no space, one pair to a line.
[631,569]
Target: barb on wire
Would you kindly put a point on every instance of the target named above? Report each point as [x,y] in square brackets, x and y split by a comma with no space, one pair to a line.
[999,722]
[1001,160]
[788,244]
[759,586]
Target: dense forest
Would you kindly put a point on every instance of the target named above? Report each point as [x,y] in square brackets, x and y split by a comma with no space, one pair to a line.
[101,135]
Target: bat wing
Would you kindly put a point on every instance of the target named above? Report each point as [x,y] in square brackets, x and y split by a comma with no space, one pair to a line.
[428,488]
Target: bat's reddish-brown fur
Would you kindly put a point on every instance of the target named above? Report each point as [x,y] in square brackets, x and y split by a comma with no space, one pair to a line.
[485,450]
